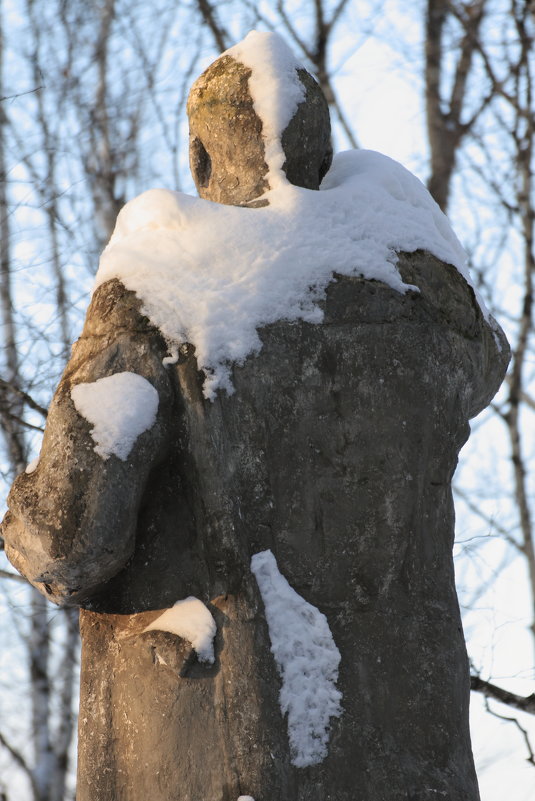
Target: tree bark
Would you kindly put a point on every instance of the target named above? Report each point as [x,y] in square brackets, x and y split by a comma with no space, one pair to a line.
[447,123]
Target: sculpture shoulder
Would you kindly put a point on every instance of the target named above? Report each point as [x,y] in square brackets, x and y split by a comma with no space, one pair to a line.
[116,337]
[113,304]
[71,521]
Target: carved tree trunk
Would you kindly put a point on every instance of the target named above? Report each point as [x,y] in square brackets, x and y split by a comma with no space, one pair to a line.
[335,452]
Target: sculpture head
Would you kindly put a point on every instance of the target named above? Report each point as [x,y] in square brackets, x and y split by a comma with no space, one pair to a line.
[228,156]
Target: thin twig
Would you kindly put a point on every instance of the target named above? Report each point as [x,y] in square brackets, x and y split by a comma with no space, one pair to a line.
[521,702]
[218,32]
[21,94]
[22,422]
[28,400]
[490,521]
[14,576]
[531,757]
[18,758]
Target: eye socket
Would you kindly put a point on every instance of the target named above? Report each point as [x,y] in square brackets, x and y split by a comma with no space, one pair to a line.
[201,163]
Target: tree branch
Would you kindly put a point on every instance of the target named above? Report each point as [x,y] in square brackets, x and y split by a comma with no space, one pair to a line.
[531,757]
[523,703]
[472,24]
[292,31]
[28,400]
[21,94]
[336,14]
[490,521]
[18,758]
[14,576]
[218,32]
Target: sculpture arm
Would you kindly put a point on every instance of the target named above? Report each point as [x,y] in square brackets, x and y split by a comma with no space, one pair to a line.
[71,522]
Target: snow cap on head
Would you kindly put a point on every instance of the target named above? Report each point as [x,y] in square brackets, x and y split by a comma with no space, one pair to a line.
[257,119]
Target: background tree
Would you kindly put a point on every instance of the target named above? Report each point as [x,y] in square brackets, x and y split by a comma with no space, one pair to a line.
[480,119]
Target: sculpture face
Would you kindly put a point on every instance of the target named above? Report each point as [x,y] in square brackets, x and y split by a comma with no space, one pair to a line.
[227,157]
[226,148]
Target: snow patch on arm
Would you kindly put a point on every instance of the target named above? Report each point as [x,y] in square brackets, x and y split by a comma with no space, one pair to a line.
[307,659]
[120,407]
[32,466]
[191,620]
[275,89]
[212,274]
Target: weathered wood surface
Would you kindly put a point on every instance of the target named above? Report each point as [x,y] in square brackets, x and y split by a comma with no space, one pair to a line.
[226,146]
[336,452]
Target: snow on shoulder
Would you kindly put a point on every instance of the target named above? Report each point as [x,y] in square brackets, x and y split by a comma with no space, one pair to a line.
[191,620]
[307,659]
[212,275]
[120,407]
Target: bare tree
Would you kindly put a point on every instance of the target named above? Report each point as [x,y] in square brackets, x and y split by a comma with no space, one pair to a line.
[11,404]
[450,113]
[480,121]
[47,767]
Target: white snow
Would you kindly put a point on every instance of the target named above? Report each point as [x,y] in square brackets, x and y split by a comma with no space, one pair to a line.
[246,798]
[120,407]
[211,274]
[191,620]
[307,659]
[32,465]
[275,89]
